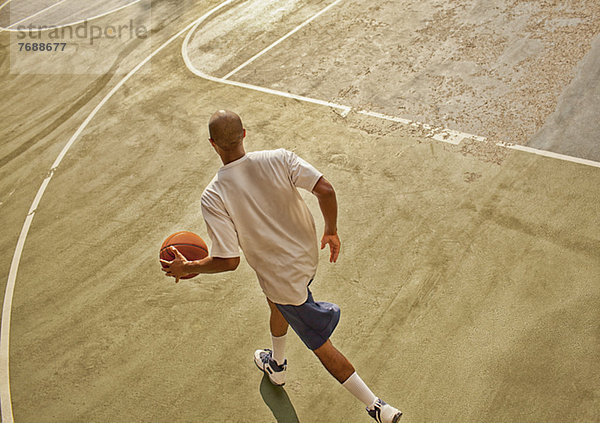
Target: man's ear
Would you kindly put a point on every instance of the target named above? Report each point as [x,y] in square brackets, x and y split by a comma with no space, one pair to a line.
[244,136]
[214,145]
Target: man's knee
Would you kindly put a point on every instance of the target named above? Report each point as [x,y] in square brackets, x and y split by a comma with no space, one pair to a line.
[325,350]
[274,310]
[272,305]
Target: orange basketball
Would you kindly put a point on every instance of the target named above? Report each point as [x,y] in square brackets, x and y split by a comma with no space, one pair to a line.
[187,243]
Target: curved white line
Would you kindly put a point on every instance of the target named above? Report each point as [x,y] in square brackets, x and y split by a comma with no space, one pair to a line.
[32,16]
[71,23]
[446,135]
[5,396]
[4,4]
[193,69]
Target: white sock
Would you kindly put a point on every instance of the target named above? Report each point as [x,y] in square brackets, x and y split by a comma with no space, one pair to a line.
[355,385]
[278,349]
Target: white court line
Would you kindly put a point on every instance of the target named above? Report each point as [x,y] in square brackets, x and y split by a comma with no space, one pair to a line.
[32,16]
[4,4]
[5,397]
[186,58]
[345,109]
[51,27]
[386,117]
[289,34]
[447,135]
[437,133]
[455,137]
[550,154]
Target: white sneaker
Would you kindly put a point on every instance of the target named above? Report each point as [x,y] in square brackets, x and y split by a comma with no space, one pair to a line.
[384,413]
[264,361]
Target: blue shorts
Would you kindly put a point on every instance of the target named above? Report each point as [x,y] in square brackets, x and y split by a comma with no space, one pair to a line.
[314,322]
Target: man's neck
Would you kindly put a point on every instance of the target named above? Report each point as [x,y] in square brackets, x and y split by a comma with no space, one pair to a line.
[231,156]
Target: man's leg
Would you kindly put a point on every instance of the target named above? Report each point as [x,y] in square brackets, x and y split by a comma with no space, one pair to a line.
[340,368]
[278,324]
[273,362]
[335,362]
[279,327]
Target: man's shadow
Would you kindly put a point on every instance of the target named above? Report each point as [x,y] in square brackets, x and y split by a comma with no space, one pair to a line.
[278,401]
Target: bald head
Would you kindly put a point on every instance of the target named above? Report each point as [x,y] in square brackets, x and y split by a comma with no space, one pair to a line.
[226,129]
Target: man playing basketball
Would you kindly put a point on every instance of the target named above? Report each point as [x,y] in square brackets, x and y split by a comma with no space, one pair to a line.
[253,203]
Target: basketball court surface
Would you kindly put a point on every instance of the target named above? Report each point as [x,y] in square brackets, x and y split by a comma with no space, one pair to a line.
[461,138]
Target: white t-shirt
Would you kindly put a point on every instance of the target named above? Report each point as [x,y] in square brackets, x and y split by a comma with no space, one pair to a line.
[253,202]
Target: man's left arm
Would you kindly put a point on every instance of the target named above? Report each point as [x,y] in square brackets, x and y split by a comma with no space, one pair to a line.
[180,266]
[224,251]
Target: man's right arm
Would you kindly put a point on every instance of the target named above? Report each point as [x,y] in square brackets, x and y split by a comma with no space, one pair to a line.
[325,193]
